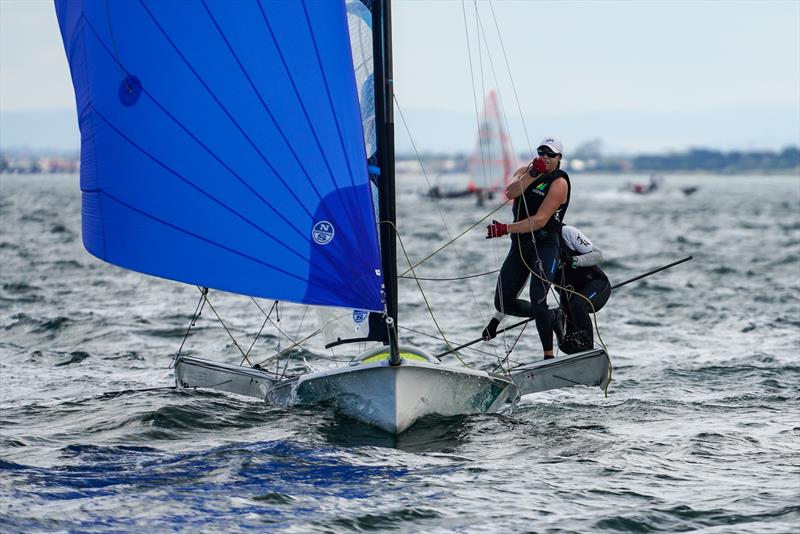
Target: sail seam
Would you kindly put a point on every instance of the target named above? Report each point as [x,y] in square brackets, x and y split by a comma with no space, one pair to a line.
[206,194]
[224,110]
[330,100]
[308,119]
[197,140]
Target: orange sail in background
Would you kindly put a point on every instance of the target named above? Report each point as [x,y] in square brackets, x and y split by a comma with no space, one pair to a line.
[492,163]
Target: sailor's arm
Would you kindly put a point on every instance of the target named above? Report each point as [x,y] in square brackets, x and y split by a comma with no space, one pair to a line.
[520,181]
[595,257]
[556,196]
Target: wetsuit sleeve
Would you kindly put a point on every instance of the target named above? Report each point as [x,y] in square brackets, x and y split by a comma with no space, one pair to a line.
[575,240]
[595,257]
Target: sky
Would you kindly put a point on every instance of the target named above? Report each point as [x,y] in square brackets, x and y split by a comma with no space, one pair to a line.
[640,75]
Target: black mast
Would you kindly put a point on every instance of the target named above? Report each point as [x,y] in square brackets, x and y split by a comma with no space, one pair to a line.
[384,121]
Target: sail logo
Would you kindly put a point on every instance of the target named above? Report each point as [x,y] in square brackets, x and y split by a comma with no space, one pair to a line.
[359,316]
[322,233]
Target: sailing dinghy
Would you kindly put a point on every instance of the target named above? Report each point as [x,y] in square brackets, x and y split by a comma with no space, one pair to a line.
[248,147]
[491,165]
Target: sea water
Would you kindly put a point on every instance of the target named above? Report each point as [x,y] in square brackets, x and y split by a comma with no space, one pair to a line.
[700,429]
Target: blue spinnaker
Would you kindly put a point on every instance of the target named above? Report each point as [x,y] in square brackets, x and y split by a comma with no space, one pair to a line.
[222,145]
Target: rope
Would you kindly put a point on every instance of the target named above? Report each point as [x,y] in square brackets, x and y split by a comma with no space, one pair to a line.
[453,240]
[422,292]
[236,343]
[440,339]
[287,349]
[449,279]
[266,318]
[476,305]
[198,311]
[477,115]
[513,85]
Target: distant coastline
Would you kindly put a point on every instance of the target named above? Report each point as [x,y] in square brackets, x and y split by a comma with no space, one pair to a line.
[786,161]
[696,160]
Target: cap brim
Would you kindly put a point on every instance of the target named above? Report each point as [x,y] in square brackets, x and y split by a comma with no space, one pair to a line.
[551,147]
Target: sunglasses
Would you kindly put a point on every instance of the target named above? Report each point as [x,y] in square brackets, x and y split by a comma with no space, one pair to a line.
[547,153]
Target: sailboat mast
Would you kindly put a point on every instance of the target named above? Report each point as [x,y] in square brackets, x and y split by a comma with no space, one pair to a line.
[384,120]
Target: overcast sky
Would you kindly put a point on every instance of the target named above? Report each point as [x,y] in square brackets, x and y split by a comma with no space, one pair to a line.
[732,62]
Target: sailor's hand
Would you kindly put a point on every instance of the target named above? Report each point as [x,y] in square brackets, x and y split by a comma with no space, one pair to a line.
[490,332]
[496,229]
[537,167]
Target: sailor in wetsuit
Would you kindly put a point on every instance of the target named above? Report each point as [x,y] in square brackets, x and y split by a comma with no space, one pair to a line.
[541,194]
[588,290]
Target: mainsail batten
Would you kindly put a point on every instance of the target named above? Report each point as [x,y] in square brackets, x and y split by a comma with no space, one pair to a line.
[213,186]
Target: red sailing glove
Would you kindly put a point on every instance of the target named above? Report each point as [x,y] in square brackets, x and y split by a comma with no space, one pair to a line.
[537,167]
[496,229]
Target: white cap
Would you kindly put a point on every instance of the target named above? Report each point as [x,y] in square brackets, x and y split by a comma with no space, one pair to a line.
[553,143]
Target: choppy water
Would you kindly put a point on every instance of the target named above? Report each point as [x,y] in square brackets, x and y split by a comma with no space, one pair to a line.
[700,431]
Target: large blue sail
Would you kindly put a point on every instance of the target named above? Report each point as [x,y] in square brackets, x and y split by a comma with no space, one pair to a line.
[222,145]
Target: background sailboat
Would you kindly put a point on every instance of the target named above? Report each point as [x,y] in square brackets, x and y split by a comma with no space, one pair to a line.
[248,148]
[491,163]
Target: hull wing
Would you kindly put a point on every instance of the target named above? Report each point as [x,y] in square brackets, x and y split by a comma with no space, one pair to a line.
[589,368]
[198,373]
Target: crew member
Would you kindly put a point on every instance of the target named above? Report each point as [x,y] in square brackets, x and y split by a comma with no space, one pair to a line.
[586,289]
[541,194]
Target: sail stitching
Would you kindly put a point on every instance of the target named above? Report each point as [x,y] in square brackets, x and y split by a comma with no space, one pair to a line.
[195,138]
[204,193]
[330,104]
[350,265]
[305,111]
[207,149]
[224,110]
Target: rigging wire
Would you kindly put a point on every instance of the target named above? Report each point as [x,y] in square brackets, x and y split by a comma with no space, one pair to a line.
[453,240]
[198,311]
[436,201]
[290,347]
[422,292]
[449,279]
[266,318]
[552,286]
[425,334]
[511,77]
[236,343]
[476,304]
[475,104]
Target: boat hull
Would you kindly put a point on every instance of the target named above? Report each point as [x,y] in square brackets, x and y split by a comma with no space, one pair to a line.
[199,373]
[588,368]
[394,397]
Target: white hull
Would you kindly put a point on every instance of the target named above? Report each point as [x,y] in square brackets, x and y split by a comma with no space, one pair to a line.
[394,397]
[589,368]
[199,373]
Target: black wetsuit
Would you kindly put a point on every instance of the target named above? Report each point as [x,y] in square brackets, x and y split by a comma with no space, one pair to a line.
[592,283]
[526,253]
